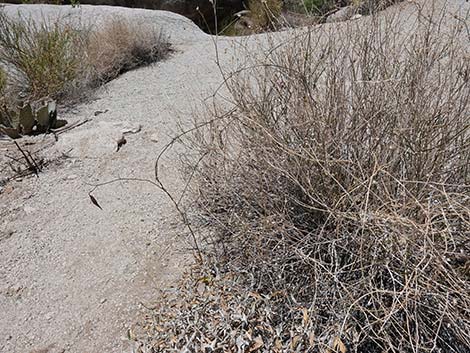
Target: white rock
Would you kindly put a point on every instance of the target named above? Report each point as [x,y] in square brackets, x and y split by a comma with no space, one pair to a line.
[154,137]
[132,129]
[29,210]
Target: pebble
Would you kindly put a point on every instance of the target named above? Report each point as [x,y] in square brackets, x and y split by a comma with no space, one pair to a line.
[8,189]
[154,137]
[9,232]
[72,177]
[132,129]
[98,112]
[29,209]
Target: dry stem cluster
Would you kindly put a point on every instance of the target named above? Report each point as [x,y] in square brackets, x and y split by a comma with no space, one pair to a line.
[342,179]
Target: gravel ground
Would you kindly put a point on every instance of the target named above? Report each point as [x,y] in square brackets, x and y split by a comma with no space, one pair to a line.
[72,276]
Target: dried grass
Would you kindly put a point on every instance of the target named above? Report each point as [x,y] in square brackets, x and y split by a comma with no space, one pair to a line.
[122,45]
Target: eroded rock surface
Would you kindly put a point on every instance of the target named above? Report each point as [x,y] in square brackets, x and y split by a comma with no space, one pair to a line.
[197,10]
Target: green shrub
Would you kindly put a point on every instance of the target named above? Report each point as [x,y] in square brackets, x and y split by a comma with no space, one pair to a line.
[47,56]
[317,6]
[324,7]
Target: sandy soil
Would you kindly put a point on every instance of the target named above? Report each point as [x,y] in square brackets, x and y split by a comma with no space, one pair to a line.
[72,276]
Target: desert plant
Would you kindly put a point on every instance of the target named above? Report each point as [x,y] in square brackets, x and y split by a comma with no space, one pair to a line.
[3,82]
[45,56]
[325,7]
[342,179]
[121,45]
[49,58]
[265,13]
[317,6]
[27,121]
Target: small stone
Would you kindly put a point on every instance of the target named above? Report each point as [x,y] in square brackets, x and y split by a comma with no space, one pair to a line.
[98,112]
[29,209]
[132,129]
[8,189]
[102,301]
[121,142]
[72,177]
[14,290]
[154,137]
[201,287]
[6,234]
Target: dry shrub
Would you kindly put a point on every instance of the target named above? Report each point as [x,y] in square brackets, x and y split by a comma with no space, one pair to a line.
[121,45]
[342,179]
[264,13]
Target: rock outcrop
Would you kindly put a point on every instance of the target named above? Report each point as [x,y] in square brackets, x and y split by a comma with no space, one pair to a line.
[200,11]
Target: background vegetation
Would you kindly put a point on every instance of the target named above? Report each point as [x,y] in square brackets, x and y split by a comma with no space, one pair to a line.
[121,46]
[53,59]
[43,57]
[264,13]
[265,16]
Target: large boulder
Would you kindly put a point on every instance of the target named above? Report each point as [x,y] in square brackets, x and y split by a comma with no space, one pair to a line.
[179,29]
[200,11]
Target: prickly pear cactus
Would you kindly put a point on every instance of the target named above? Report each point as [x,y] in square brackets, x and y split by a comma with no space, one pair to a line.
[42,117]
[3,81]
[26,121]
